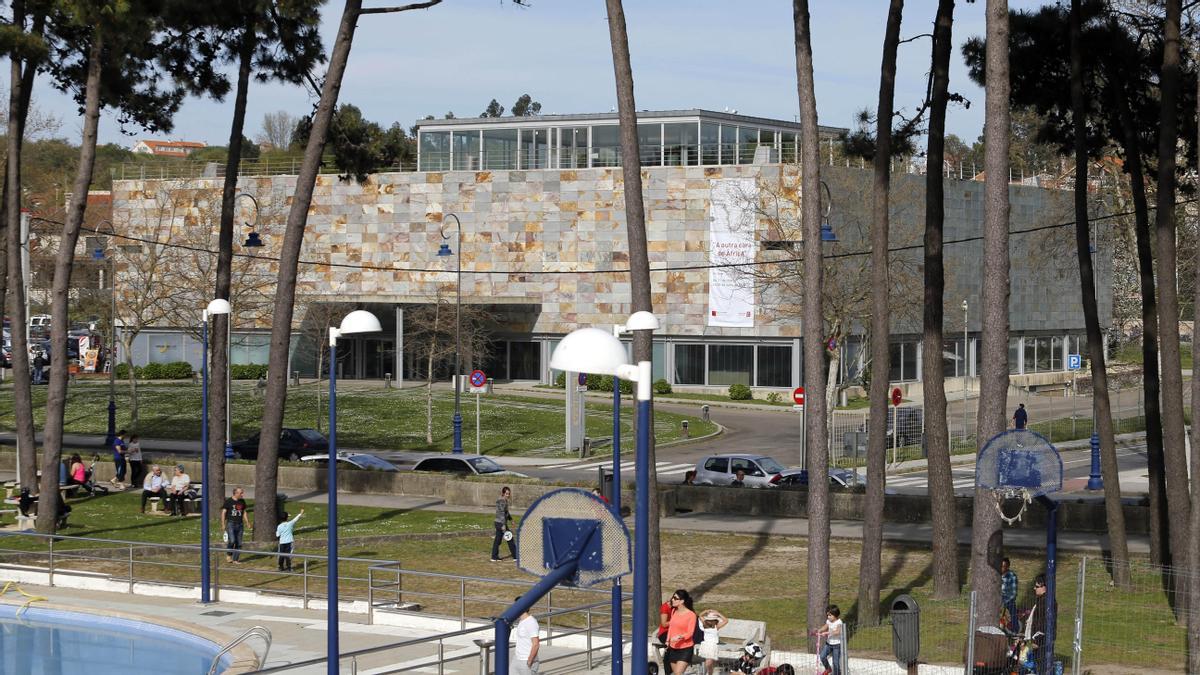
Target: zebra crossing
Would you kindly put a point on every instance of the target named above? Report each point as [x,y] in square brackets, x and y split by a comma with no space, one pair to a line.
[663,468]
[963,479]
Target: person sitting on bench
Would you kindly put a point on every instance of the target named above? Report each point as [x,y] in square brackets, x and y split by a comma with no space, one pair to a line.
[155,485]
[181,484]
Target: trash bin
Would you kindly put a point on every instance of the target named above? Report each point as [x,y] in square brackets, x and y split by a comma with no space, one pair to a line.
[606,483]
[704,413]
[906,629]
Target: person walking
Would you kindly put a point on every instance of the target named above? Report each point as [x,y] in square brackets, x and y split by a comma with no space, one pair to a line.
[39,365]
[234,519]
[681,633]
[119,449]
[285,532]
[133,453]
[525,655]
[831,653]
[1020,418]
[502,521]
[1008,594]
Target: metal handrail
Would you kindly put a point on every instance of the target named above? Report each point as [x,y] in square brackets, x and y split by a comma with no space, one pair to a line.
[254,631]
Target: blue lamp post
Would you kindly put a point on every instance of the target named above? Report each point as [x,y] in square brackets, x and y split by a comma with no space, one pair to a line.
[1095,478]
[214,307]
[591,350]
[444,251]
[358,321]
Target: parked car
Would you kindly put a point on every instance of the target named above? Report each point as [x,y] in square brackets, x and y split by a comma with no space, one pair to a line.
[357,460]
[761,471]
[463,465]
[839,479]
[293,444]
[912,426]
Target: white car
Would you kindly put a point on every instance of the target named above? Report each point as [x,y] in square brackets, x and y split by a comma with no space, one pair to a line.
[464,465]
[357,460]
[759,470]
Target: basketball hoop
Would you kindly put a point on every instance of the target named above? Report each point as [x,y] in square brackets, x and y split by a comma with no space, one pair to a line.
[1004,494]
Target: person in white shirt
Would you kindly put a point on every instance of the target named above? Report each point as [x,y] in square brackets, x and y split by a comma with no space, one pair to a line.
[525,657]
[832,632]
[180,484]
[155,485]
[712,622]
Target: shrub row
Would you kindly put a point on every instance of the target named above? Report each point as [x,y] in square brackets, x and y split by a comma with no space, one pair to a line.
[182,370]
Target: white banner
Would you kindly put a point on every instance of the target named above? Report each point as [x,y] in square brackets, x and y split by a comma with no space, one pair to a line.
[731,241]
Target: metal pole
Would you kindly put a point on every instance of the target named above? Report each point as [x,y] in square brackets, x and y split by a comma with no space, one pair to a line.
[331,654]
[478,435]
[112,350]
[1095,478]
[1047,654]
[204,534]
[969,666]
[966,363]
[618,642]
[641,552]
[1077,657]
[458,342]
[804,442]
[229,383]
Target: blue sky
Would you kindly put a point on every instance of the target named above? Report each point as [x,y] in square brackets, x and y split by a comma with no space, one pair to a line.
[713,54]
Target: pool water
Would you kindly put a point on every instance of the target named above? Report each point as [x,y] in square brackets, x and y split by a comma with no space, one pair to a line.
[55,642]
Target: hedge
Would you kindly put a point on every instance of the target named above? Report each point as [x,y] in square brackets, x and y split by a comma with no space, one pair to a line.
[248,371]
[740,392]
[176,370]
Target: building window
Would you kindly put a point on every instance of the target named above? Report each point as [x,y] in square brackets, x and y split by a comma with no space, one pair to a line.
[774,366]
[1056,353]
[689,364]
[524,360]
[573,147]
[730,364]
[606,146]
[903,361]
[435,151]
[465,148]
[650,144]
[1077,344]
[747,140]
[499,149]
[1014,356]
[535,148]
[788,149]
[953,361]
[728,144]
[680,144]
[710,139]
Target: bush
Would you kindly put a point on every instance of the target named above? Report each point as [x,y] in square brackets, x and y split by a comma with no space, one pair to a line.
[248,371]
[560,380]
[123,371]
[740,392]
[626,387]
[661,386]
[774,397]
[176,370]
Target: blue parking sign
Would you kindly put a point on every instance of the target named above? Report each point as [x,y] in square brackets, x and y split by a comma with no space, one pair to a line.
[1074,361]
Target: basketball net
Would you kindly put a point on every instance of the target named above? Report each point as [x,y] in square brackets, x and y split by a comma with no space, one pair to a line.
[1002,494]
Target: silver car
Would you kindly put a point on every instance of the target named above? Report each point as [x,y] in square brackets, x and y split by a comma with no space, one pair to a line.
[761,471]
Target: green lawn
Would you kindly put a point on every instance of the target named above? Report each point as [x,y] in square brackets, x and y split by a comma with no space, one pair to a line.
[367,417]
[1132,353]
[744,576]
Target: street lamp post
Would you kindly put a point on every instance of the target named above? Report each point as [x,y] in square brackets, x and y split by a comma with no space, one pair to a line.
[444,251]
[358,321]
[112,351]
[215,307]
[966,364]
[1095,478]
[591,350]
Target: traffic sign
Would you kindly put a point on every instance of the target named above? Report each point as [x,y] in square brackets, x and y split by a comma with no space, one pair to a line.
[478,378]
[897,396]
[1074,361]
[798,395]
[583,379]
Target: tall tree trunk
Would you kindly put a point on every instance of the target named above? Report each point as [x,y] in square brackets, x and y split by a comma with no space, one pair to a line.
[127,342]
[817,438]
[1193,626]
[21,88]
[1178,499]
[1091,316]
[218,394]
[1193,560]
[64,260]
[937,434]
[870,564]
[639,260]
[266,470]
[987,538]
[1159,554]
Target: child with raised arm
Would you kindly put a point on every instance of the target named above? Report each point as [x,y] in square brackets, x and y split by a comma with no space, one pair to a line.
[711,621]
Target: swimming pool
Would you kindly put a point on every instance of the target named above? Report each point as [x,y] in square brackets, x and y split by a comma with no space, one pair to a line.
[57,642]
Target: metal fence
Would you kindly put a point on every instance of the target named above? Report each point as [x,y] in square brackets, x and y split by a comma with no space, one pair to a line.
[1060,414]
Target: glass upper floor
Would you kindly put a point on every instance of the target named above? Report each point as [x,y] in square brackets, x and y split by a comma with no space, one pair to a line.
[672,138]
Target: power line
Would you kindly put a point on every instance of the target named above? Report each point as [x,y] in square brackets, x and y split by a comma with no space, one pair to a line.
[668,268]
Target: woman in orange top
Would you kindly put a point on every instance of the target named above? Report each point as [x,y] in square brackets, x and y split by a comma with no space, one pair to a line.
[680,632]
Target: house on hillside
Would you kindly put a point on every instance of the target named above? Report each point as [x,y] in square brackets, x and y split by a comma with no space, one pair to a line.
[167,148]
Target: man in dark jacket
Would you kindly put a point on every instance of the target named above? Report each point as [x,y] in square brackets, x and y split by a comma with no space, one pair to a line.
[502,520]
